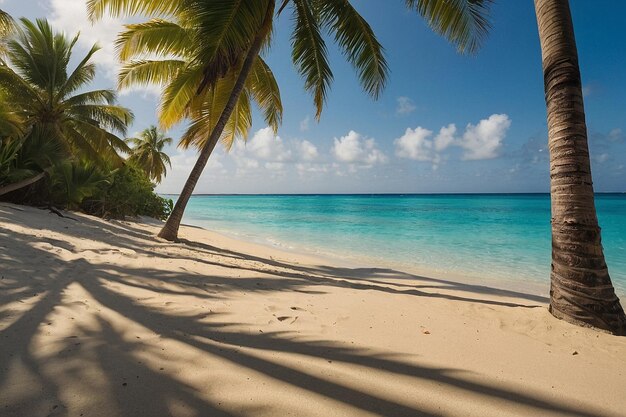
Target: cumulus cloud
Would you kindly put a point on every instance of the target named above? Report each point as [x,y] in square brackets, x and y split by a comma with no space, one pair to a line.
[267,152]
[308,151]
[265,145]
[415,144]
[404,106]
[445,138]
[484,140]
[355,149]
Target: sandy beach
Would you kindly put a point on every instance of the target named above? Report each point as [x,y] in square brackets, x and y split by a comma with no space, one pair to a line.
[102,319]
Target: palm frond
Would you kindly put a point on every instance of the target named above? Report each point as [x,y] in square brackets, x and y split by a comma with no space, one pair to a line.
[465,23]
[109,117]
[177,96]
[358,42]
[149,72]
[84,73]
[92,97]
[96,9]
[266,93]
[157,36]
[7,24]
[309,53]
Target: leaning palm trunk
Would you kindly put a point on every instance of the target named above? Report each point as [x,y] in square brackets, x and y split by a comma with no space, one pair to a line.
[581,291]
[22,184]
[170,229]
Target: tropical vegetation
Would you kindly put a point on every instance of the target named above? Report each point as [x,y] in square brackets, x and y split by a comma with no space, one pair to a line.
[218,46]
[60,144]
[581,289]
[147,152]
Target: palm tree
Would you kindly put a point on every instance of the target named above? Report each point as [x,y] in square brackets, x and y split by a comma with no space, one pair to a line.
[35,79]
[581,290]
[148,154]
[228,37]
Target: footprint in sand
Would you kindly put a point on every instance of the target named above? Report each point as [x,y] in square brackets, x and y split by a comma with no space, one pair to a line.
[284,318]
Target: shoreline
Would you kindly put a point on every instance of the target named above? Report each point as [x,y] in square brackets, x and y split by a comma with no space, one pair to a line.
[348,261]
[101,318]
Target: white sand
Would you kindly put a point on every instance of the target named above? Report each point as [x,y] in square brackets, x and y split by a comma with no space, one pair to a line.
[102,319]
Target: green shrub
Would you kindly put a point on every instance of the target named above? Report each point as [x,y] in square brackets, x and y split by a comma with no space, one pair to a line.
[71,182]
[129,193]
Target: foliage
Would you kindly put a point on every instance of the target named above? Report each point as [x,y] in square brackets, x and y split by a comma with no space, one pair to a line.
[128,192]
[463,22]
[35,78]
[71,182]
[148,154]
[55,130]
[190,89]
[8,155]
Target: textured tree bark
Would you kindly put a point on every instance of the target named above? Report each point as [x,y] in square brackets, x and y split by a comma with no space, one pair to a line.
[581,291]
[170,229]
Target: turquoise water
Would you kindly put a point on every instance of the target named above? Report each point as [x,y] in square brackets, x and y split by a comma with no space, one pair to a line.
[501,240]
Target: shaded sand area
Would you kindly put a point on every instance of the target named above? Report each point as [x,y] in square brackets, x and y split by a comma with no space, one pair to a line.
[102,319]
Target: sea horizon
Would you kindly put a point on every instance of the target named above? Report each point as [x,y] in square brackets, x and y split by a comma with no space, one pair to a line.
[382,194]
[495,239]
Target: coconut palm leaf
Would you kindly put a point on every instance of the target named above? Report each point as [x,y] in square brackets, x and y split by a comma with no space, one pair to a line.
[309,53]
[463,22]
[358,43]
[155,37]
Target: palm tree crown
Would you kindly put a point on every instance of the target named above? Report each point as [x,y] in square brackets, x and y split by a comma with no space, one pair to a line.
[35,77]
[147,152]
[223,32]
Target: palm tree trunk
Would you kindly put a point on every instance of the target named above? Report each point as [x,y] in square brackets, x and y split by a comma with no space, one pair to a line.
[170,229]
[581,291]
[21,184]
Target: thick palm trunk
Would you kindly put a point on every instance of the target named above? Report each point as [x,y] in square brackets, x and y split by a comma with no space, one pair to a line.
[170,229]
[581,291]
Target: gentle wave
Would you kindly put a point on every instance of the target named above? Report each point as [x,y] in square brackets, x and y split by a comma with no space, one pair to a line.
[496,239]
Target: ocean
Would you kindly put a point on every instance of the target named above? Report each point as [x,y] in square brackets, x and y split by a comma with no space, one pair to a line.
[502,240]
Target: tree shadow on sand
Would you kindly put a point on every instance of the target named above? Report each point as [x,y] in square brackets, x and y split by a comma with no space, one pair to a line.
[34,384]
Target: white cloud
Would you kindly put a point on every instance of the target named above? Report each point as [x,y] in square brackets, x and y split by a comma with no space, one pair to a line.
[70,16]
[484,140]
[355,149]
[445,138]
[415,144]
[310,168]
[265,145]
[308,151]
[304,124]
[405,106]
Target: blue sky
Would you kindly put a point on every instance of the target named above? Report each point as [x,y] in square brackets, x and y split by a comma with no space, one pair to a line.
[445,123]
